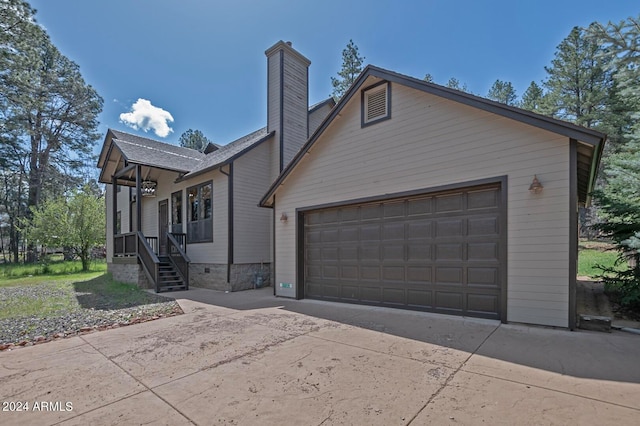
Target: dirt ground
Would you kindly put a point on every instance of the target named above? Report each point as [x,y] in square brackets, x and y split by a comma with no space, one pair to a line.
[592,300]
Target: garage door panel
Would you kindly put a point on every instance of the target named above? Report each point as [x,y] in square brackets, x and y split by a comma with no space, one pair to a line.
[419,298]
[419,207]
[349,233]
[349,214]
[449,300]
[418,252]
[393,252]
[370,272]
[394,296]
[370,211]
[446,228]
[483,277]
[370,233]
[438,252]
[393,231]
[449,203]
[482,303]
[349,272]
[483,226]
[482,251]
[371,294]
[370,252]
[482,199]
[449,275]
[393,273]
[417,274]
[391,210]
[348,253]
[449,251]
[419,229]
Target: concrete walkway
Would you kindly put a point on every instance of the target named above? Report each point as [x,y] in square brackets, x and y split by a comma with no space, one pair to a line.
[250,358]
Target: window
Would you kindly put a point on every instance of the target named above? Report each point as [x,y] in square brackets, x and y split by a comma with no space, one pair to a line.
[376,103]
[200,213]
[176,212]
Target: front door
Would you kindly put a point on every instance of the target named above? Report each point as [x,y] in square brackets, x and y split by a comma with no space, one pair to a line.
[163,226]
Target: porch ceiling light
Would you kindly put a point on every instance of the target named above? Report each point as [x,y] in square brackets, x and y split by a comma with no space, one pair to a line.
[535,187]
[148,188]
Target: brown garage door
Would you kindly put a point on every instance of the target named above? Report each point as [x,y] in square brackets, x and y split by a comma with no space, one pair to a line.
[438,252]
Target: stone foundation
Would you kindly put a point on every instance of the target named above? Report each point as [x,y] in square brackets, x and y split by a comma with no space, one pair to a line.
[204,275]
[127,270]
[209,275]
[243,276]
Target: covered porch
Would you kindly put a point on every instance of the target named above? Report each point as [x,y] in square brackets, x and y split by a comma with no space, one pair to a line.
[156,247]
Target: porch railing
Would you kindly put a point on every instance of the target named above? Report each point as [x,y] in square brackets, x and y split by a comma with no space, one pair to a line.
[153,243]
[181,240]
[149,261]
[125,244]
[178,258]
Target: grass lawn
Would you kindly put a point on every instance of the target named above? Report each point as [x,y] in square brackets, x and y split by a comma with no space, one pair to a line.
[63,303]
[51,268]
[590,255]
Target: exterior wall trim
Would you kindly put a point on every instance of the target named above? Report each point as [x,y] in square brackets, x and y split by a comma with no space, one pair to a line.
[573,231]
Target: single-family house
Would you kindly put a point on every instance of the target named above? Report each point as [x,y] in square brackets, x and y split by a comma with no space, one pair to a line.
[176,216]
[405,194]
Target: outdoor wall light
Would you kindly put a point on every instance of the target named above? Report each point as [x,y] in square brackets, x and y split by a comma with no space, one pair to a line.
[148,188]
[535,187]
[284,218]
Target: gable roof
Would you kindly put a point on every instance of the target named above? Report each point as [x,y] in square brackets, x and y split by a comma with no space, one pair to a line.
[589,136]
[149,152]
[229,152]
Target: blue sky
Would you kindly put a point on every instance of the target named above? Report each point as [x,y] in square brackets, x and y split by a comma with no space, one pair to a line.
[202,63]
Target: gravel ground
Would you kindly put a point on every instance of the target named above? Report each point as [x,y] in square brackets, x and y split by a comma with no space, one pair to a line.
[27,330]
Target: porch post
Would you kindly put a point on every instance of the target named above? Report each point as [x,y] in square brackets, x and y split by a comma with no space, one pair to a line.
[138,198]
[114,205]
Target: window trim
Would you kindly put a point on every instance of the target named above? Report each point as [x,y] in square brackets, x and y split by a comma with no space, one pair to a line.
[189,221]
[363,104]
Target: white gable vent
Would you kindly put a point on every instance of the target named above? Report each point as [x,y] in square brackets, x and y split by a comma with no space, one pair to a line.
[376,103]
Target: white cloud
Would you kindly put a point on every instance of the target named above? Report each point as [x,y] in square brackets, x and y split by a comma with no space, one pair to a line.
[144,116]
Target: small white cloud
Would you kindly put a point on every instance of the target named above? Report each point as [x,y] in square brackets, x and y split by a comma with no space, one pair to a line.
[144,116]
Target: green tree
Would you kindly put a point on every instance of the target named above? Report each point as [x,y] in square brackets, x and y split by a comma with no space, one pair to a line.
[428,78]
[502,91]
[619,200]
[579,80]
[532,98]
[48,114]
[194,139]
[352,65]
[454,83]
[77,222]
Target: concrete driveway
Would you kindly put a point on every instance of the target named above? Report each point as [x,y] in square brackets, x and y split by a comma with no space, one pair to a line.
[249,358]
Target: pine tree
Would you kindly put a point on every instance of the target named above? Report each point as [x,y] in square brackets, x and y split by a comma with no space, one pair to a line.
[532,98]
[502,91]
[454,83]
[194,139]
[579,80]
[351,68]
[619,200]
